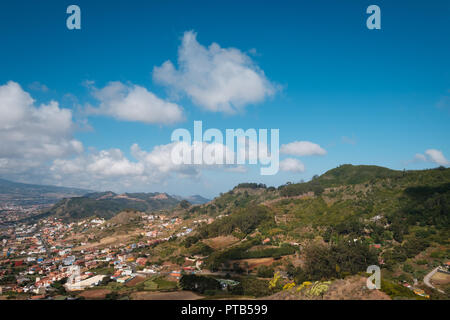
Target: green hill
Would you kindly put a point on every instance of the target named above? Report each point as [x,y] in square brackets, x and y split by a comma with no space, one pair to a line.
[350,174]
[108,204]
[405,212]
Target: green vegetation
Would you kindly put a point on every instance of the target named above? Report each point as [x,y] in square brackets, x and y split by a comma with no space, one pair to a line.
[344,214]
[251,286]
[251,186]
[241,251]
[245,220]
[107,204]
[164,284]
[408,249]
[201,249]
[333,261]
[199,284]
[350,208]
[265,272]
[396,291]
[348,174]
[284,250]
[290,190]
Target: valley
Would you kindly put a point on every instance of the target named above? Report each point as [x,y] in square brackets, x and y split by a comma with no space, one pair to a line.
[308,240]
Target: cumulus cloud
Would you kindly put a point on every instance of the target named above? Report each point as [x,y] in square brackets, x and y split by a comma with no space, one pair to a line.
[135,103]
[432,155]
[108,163]
[292,165]
[217,79]
[31,135]
[302,148]
[106,168]
[436,156]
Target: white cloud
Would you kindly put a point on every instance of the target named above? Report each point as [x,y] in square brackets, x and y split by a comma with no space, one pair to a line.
[37,145]
[302,148]
[432,155]
[292,165]
[436,156]
[32,135]
[217,79]
[109,169]
[135,103]
[103,170]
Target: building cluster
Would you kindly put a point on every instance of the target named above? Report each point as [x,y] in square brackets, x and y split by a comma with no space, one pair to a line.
[11,212]
[35,258]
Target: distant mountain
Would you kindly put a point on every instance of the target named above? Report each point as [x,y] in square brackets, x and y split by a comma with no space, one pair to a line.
[195,199]
[108,204]
[20,194]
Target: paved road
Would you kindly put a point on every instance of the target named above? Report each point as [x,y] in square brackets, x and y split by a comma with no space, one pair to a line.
[428,277]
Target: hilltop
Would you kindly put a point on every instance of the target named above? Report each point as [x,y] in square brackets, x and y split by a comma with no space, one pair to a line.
[107,204]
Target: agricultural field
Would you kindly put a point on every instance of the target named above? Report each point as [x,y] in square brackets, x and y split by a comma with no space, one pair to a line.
[175,295]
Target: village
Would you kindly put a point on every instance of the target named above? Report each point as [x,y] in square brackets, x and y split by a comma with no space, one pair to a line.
[35,257]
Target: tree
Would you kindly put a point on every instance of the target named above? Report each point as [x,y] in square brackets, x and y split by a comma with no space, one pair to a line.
[265,272]
[184,204]
[198,283]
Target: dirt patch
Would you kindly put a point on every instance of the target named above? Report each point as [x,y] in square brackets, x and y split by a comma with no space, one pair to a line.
[109,240]
[135,281]
[176,295]
[440,279]
[95,294]
[221,242]
[351,288]
[255,263]
[125,217]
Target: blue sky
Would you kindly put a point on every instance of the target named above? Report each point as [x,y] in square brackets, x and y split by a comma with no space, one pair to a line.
[365,96]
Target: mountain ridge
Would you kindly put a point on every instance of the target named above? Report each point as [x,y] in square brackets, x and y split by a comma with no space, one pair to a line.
[18,193]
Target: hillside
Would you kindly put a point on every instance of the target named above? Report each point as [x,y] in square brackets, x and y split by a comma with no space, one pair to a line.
[399,220]
[126,217]
[19,194]
[349,174]
[347,193]
[351,288]
[108,204]
[324,231]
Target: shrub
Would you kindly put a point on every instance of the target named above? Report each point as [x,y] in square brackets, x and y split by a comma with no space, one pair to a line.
[265,272]
[199,283]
